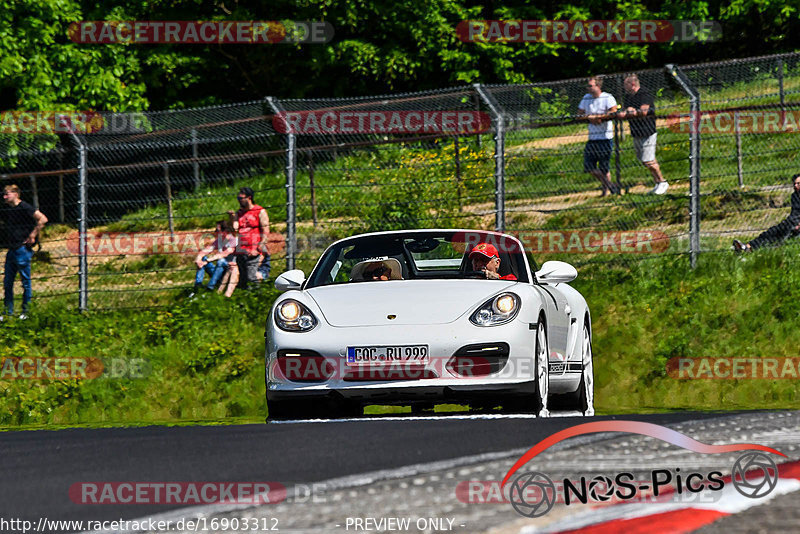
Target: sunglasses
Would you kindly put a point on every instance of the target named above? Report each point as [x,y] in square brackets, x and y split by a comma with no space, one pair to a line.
[379,271]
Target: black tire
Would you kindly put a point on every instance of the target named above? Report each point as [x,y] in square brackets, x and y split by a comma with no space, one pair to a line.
[322,408]
[582,399]
[536,402]
[287,409]
[339,408]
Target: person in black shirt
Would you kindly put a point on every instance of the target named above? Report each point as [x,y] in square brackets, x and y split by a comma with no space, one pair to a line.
[23,223]
[774,235]
[641,110]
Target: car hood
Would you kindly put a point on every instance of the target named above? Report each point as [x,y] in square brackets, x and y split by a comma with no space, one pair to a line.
[410,301]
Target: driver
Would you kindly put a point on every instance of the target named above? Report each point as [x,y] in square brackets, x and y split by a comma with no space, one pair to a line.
[484,257]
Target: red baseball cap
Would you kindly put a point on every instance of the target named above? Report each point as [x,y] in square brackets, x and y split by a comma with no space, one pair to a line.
[485,249]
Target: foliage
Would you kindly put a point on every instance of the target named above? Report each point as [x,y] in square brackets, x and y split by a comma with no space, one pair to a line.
[378,47]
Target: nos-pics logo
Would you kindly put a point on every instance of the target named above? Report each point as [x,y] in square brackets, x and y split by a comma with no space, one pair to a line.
[533,494]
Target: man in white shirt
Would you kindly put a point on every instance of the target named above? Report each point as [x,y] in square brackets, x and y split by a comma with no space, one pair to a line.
[596,105]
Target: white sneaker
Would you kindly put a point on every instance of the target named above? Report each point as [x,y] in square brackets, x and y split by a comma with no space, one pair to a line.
[653,191]
[22,317]
[661,188]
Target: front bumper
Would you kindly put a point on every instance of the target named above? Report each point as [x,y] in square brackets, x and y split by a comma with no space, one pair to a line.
[437,380]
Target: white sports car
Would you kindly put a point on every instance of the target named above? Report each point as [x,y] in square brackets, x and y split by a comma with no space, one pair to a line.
[420,317]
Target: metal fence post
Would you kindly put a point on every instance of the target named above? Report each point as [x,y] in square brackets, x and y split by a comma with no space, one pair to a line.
[83,212]
[195,163]
[617,142]
[60,187]
[499,157]
[168,194]
[739,166]
[781,91]
[313,189]
[694,158]
[34,192]
[291,177]
[457,160]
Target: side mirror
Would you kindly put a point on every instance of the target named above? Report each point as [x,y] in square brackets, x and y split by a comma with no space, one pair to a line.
[556,272]
[290,280]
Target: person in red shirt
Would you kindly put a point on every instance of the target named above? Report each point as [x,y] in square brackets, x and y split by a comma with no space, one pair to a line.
[252,225]
[484,257]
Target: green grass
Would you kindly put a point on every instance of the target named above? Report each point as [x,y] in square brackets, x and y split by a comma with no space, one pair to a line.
[646,313]
[205,360]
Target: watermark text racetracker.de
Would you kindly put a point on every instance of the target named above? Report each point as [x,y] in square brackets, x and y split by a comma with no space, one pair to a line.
[327,121]
[736,122]
[390,364]
[74,122]
[570,241]
[591,242]
[588,31]
[733,368]
[146,243]
[72,368]
[50,122]
[200,32]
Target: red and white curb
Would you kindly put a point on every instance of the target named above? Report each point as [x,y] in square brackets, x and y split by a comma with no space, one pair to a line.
[664,517]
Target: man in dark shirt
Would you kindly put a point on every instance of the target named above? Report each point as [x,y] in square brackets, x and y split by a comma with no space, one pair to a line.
[641,110]
[23,223]
[776,234]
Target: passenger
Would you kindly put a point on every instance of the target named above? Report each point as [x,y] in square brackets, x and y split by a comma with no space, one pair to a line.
[377,269]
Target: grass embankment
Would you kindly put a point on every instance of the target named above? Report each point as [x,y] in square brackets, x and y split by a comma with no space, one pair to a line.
[729,307]
[206,355]
[198,360]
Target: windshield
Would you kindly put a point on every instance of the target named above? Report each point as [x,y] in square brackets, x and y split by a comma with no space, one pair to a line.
[421,255]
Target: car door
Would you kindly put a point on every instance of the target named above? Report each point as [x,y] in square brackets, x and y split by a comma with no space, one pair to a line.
[558,320]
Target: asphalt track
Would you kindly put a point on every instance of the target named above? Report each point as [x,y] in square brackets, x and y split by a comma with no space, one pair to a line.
[40,466]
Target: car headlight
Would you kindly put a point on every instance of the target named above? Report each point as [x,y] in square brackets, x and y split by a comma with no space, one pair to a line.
[497,310]
[292,316]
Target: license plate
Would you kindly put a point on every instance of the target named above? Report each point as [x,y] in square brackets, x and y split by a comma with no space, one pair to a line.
[377,354]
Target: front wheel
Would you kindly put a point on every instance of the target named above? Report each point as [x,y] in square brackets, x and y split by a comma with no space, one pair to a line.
[537,401]
[542,363]
[583,398]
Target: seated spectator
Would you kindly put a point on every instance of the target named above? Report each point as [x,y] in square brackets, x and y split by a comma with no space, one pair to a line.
[780,232]
[376,269]
[229,280]
[265,267]
[484,257]
[213,259]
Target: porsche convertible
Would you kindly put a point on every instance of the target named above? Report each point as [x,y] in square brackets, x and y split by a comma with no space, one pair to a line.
[424,317]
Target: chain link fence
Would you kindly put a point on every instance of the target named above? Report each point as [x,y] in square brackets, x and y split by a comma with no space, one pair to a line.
[749,110]
[131,204]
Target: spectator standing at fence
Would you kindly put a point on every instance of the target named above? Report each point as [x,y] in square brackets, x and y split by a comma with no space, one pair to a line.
[213,259]
[252,226]
[785,229]
[23,223]
[597,106]
[640,108]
